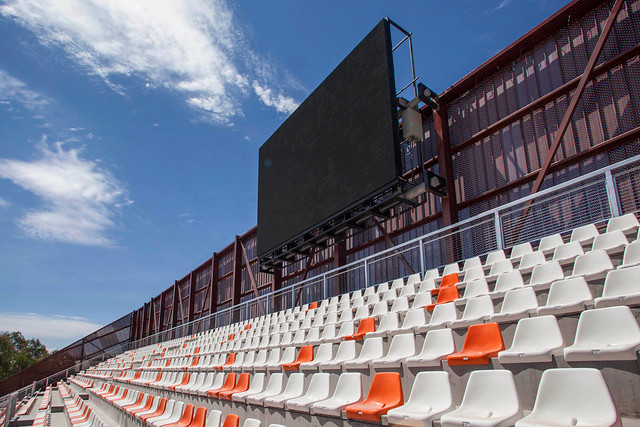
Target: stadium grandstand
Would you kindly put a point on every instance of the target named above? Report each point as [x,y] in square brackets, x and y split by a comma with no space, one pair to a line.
[494,281]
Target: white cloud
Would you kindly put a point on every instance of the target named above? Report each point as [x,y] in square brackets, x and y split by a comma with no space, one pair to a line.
[13,90]
[4,204]
[502,4]
[80,198]
[280,102]
[57,331]
[194,47]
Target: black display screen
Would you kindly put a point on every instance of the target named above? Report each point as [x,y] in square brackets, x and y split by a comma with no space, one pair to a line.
[338,147]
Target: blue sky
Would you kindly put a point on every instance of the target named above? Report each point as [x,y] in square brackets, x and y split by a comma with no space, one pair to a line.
[129,131]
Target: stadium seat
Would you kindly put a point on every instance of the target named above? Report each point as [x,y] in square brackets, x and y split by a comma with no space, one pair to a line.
[273,388]
[499,267]
[517,304]
[256,386]
[544,275]
[447,294]
[388,322]
[518,251]
[480,344]
[566,297]
[442,315]
[621,287]
[241,385]
[495,256]
[399,305]
[474,288]
[447,281]
[401,347]
[293,389]
[585,234]
[199,418]
[413,319]
[421,300]
[229,383]
[473,274]
[346,351]
[548,244]
[430,398]
[319,389]
[324,353]
[167,414]
[384,394]
[471,263]
[567,253]
[535,340]
[231,420]
[438,344]
[490,399]
[610,333]
[506,282]
[372,348]
[348,390]
[450,269]
[631,257]
[476,310]
[628,224]
[251,422]
[593,265]
[305,355]
[365,326]
[572,396]
[185,418]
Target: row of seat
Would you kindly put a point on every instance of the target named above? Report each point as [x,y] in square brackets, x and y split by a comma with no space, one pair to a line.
[156,411]
[79,412]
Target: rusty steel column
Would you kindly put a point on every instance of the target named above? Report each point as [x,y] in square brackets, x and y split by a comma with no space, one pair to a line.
[339,259]
[237,277]
[175,306]
[445,170]
[192,295]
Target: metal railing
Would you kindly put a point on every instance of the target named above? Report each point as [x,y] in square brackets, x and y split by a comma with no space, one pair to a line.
[591,198]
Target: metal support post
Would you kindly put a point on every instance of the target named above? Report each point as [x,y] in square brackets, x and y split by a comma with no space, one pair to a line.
[612,194]
[366,273]
[422,267]
[498,225]
[324,285]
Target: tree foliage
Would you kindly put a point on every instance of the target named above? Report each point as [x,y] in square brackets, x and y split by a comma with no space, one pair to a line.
[17,353]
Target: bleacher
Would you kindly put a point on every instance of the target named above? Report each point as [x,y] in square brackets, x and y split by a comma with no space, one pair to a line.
[545,333]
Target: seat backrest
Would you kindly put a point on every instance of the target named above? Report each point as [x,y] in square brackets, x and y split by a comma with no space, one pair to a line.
[372,348]
[400,304]
[432,388]
[243,381]
[476,287]
[447,294]
[569,290]
[494,256]
[532,259]
[251,422]
[451,268]
[402,345]
[388,322]
[585,232]
[414,317]
[187,415]
[199,418]
[320,385]
[519,299]
[231,420]
[624,223]
[592,261]
[305,354]
[349,386]
[474,273]
[386,388]
[346,350]
[632,253]
[536,333]
[257,383]
[607,325]
[324,352]
[472,263]
[274,386]
[550,242]
[477,307]
[366,325]
[449,280]
[518,251]
[489,391]
[443,313]
[439,341]
[484,338]
[509,280]
[568,250]
[547,272]
[500,267]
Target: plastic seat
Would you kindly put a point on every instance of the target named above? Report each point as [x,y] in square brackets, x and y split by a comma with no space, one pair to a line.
[473,274]
[495,256]
[305,355]
[293,389]
[593,265]
[384,394]
[426,285]
[544,275]
[506,282]
[199,418]
[549,243]
[610,333]
[567,253]
[273,388]
[432,274]
[612,242]
[241,385]
[535,340]
[430,398]
[372,348]
[476,310]
[517,304]
[421,300]
[324,353]
[388,322]
[185,418]
[621,287]
[400,304]
[518,251]
[346,351]
[490,399]
[346,329]
[365,326]
[585,234]
[447,294]
[251,422]
[499,267]
[450,268]
[480,344]
[572,396]
[442,315]
[287,356]
[256,386]
[231,420]
[471,263]
[567,296]
[413,319]
[380,309]
[474,288]
[348,390]
[530,260]
[446,281]
[319,389]
[628,224]
[631,256]
[229,383]
[213,418]
[401,347]
[413,279]
[438,344]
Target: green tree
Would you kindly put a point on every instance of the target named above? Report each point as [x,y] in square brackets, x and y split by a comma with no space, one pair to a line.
[17,353]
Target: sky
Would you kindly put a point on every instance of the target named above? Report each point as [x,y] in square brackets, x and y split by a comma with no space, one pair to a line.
[129,131]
